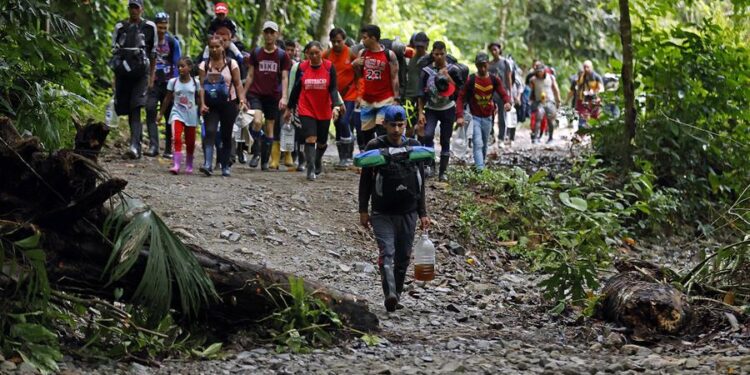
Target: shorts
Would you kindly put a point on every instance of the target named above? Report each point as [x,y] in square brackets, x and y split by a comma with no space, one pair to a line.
[315,128]
[130,94]
[372,114]
[269,106]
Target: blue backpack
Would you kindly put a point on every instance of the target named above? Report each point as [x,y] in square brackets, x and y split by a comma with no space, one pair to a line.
[215,87]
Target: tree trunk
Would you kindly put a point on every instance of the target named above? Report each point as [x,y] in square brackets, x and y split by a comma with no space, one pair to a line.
[325,24]
[504,20]
[628,86]
[263,13]
[58,195]
[369,12]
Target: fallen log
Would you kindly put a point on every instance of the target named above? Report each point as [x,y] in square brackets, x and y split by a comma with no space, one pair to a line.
[62,193]
[645,306]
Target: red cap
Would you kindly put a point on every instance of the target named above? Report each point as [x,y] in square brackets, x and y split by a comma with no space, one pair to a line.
[221,8]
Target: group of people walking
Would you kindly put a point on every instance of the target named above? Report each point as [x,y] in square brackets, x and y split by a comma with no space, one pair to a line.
[379,93]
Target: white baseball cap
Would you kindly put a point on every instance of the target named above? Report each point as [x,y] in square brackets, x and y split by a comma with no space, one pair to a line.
[271,25]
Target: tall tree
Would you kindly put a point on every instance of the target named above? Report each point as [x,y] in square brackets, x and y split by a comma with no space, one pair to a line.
[325,23]
[628,86]
[264,11]
[369,12]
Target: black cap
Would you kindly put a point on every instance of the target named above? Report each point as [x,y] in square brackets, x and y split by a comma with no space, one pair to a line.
[136,2]
[420,39]
[481,58]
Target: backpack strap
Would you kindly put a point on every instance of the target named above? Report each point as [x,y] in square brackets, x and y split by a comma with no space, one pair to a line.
[470,88]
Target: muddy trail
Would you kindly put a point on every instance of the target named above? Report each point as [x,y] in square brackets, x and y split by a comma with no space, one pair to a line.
[482,314]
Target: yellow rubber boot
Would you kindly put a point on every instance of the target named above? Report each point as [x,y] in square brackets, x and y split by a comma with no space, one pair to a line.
[288,160]
[275,155]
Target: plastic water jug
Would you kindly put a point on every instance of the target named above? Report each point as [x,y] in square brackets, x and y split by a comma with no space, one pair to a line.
[424,259]
[287,137]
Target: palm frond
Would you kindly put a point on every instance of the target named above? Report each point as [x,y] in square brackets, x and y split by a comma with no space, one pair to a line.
[168,261]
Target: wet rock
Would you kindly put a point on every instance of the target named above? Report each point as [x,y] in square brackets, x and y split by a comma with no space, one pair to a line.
[462,319]
[7,366]
[364,267]
[456,248]
[692,363]
[313,233]
[230,236]
[334,254]
[453,367]
[25,368]
[138,369]
[638,350]
[614,340]
[451,307]
[483,289]
[427,359]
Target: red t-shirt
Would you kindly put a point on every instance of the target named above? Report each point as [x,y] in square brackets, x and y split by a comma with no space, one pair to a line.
[316,86]
[344,72]
[376,77]
[267,68]
[480,102]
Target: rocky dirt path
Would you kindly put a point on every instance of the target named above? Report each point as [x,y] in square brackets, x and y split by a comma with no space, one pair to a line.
[485,316]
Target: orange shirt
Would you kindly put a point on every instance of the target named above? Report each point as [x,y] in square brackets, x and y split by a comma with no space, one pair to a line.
[344,73]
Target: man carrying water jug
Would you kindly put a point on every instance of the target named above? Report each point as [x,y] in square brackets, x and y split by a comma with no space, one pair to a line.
[393,179]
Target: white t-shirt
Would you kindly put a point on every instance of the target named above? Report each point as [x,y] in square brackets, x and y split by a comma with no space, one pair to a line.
[185,108]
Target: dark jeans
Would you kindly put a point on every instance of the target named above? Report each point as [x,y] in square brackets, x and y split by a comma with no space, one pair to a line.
[343,124]
[395,236]
[447,118]
[221,117]
[499,112]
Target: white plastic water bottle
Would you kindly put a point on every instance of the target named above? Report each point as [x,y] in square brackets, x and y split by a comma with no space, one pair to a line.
[424,259]
[287,137]
[110,118]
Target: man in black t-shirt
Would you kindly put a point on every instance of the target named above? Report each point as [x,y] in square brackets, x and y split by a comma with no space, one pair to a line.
[134,63]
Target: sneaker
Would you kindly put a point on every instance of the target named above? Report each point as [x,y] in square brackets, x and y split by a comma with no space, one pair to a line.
[226,172]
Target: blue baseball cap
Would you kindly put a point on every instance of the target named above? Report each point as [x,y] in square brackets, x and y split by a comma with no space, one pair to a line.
[395,113]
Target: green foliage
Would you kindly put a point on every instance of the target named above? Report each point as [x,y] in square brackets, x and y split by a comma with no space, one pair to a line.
[693,76]
[301,320]
[568,227]
[169,261]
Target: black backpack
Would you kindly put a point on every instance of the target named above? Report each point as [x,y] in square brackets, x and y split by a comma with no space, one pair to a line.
[130,59]
[398,183]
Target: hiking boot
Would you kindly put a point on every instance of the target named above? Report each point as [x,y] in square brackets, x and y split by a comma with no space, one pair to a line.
[255,152]
[226,171]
